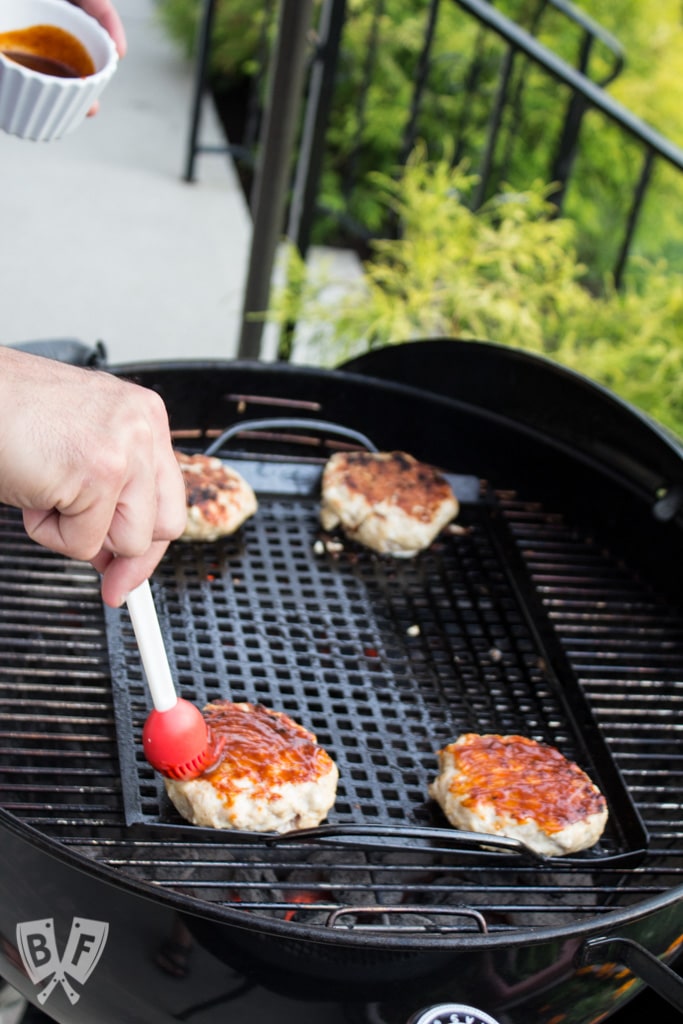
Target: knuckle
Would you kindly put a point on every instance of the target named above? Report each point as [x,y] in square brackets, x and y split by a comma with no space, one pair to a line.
[112,465]
[171,524]
[157,406]
[85,552]
[131,549]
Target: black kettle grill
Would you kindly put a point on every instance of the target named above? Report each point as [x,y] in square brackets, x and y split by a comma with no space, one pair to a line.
[553,609]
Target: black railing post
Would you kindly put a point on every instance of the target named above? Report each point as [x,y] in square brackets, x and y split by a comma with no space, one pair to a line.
[495,121]
[199,86]
[421,75]
[634,212]
[561,168]
[591,95]
[274,165]
[312,146]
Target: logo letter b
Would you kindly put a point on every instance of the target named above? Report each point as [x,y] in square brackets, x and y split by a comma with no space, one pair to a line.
[39,949]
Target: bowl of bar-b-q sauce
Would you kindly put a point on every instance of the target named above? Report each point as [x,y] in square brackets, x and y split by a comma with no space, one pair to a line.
[55,61]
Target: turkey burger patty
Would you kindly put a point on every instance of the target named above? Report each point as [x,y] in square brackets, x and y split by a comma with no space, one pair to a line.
[272,776]
[387,501]
[219,499]
[513,786]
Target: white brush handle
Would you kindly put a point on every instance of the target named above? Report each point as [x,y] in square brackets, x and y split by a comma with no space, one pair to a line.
[152,650]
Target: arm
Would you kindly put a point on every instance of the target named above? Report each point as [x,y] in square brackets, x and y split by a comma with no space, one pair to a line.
[89,460]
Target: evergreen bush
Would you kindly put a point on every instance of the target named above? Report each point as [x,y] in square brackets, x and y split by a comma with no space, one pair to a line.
[508,274]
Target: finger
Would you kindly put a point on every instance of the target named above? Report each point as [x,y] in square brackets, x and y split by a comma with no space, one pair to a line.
[149,509]
[108,17]
[171,500]
[122,575]
[101,561]
[78,533]
[133,521]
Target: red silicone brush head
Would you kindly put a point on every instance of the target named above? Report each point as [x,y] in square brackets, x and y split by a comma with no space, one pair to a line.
[179,743]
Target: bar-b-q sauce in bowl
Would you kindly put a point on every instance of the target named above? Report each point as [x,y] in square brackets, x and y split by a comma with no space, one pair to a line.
[55,60]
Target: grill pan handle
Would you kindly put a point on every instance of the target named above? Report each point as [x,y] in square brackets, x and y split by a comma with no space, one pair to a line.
[290,423]
[665,982]
[415,837]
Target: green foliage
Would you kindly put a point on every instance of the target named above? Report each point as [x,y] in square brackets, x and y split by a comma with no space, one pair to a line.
[379,64]
[508,274]
[652,37]
[631,343]
[513,273]
[237,32]
[371,112]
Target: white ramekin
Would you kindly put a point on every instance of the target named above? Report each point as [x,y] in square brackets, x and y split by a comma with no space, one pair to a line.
[42,107]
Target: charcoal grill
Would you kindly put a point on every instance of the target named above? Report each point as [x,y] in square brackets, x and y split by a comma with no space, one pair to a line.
[553,610]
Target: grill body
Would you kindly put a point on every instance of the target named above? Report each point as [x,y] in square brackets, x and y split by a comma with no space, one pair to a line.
[556,612]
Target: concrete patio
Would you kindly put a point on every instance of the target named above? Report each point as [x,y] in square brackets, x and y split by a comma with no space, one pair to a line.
[103,240]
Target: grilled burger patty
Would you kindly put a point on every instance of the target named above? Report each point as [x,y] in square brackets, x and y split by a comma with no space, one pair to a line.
[513,786]
[387,501]
[272,777]
[219,499]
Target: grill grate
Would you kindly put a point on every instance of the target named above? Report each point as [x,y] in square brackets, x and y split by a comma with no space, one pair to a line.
[330,640]
[385,660]
[625,642]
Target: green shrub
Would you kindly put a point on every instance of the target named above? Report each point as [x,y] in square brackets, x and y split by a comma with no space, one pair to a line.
[373,90]
[513,273]
[238,28]
[508,274]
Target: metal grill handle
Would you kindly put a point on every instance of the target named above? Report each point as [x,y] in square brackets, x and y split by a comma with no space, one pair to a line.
[640,961]
[424,911]
[290,423]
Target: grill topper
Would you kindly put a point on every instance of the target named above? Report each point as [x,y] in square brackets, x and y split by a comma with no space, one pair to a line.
[385,660]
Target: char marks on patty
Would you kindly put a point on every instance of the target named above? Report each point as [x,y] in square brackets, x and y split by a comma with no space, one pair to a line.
[219,500]
[388,501]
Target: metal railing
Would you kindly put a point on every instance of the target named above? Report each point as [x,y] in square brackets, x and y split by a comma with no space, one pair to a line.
[305,94]
[587,94]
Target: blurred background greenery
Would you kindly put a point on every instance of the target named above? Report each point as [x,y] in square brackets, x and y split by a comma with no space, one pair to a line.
[512,270]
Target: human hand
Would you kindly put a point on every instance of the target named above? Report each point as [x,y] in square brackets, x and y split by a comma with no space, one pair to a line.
[88,458]
[105,12]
